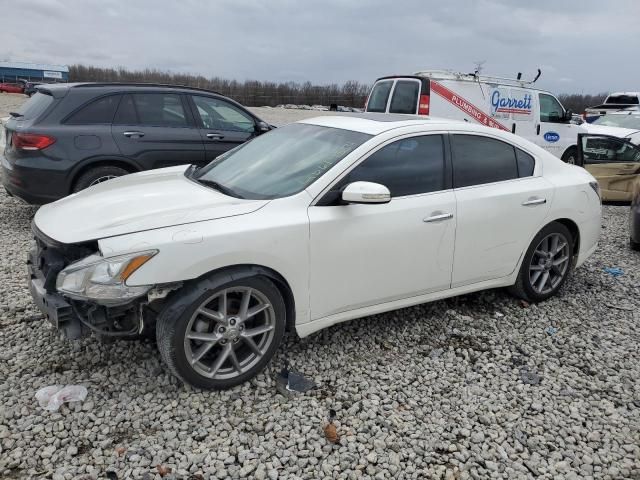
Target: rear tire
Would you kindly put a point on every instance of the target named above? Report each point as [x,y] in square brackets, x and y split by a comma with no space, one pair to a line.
[570,156]
[546,264]
[211,339]
[98,175]
[634,245]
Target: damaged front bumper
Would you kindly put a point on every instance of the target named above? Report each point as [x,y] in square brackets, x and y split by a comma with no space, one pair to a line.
[55,308]
[72,317]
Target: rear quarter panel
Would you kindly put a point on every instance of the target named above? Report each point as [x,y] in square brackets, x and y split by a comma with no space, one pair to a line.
[575,200]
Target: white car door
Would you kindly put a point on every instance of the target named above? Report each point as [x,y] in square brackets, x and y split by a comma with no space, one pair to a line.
[362,255]
[552,131]
[501,203]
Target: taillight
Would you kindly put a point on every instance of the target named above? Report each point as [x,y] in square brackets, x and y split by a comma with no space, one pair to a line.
[423,106]
[31,141]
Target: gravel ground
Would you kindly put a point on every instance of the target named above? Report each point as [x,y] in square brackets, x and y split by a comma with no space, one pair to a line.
[434,391]
[473,387]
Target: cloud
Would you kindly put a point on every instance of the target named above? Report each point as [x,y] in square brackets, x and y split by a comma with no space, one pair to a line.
[590,41]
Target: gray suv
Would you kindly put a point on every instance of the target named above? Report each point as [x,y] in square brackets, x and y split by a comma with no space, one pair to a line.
[68,137]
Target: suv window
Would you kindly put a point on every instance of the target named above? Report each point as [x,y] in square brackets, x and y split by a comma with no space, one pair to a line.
[35,106]
[478,160]
[405,97]
[126,114]
[157,109]
[217,114]
[550,109]
[406,167]
[101,110]
[379,96]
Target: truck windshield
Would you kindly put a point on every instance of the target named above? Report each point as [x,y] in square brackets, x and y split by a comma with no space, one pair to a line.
[622,99]
[280,163]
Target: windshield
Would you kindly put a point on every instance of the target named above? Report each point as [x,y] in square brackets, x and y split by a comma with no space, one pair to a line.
[281,162]
[624,121]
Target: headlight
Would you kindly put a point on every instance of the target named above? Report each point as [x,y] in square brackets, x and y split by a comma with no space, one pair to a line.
[103,280]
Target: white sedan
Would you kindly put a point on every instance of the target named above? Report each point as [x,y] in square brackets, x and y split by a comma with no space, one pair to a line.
[312,224]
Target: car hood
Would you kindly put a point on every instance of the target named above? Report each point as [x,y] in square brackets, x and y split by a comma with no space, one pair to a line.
[137,202]
[612,131]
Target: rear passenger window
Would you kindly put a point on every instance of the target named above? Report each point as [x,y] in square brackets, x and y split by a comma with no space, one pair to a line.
[126,114]
[405,97]
[156,109]
[379,96]
[478,160]
[406,167]
[98,111]
[526,163]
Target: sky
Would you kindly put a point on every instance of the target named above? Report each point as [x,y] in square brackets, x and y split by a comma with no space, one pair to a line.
[582,46]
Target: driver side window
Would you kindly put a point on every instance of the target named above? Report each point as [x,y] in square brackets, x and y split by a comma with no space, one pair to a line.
[217,114]
[409,166]
[550,109]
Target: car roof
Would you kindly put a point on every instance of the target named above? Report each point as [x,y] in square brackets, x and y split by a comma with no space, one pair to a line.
[377,123]
[120,86]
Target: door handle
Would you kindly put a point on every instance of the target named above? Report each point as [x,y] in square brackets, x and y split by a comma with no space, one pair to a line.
[438,217]
[133,134]
[534,201]
[538,129]
[215,136]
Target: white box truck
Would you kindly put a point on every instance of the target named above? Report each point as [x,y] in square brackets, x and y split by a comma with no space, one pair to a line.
[508,104]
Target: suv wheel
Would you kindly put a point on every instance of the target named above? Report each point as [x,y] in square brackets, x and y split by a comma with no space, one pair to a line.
[217,332]
[98,175]
[546,265]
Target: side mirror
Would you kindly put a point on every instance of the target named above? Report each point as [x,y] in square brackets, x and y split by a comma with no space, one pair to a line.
[568,115]
[366,192]
[262,127]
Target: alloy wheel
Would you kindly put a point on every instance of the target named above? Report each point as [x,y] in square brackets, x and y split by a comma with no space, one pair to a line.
[549,263]
[229,332]
[104,178]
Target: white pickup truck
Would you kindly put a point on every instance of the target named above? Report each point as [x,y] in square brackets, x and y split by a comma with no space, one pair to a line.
[614,102]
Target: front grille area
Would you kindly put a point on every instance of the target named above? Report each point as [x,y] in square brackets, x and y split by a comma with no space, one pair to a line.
[50,256]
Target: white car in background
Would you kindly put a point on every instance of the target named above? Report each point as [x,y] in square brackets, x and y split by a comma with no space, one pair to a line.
[314,223]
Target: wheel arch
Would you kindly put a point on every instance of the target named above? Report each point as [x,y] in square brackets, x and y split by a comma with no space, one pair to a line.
[246,270]
[573,228]
[102,162]
[569,149]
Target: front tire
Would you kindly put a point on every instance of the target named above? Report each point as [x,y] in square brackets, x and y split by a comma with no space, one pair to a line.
[570,156]
[546,264]
[634,245]
[219,332]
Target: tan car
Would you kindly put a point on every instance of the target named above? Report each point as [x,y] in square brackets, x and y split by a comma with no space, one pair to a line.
[613,161]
